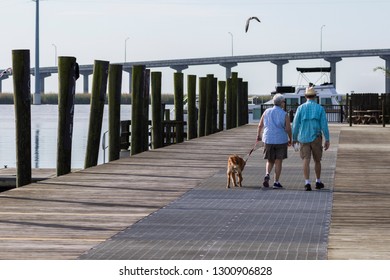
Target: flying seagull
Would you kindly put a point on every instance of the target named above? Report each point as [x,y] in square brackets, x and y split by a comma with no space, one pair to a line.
[247,22]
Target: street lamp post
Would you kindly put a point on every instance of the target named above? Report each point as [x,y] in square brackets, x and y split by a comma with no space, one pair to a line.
[55,54]
[322,27]
[126,48]
[37,95]
[231,35]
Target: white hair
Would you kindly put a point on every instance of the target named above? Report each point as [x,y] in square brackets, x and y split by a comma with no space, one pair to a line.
[278,99]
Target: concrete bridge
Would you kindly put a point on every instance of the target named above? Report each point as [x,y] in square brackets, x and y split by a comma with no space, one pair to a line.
[231,61]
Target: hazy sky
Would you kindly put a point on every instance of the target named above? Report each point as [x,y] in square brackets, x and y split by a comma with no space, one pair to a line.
[97,29]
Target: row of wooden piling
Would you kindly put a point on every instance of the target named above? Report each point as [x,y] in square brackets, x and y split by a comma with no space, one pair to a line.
[230,97]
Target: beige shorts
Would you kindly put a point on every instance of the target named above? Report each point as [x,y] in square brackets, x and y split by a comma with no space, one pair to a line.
[314,148]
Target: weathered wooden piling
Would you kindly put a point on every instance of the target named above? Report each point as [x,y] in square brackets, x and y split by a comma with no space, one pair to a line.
[221,104]
[214,111]
[229,104]
[179,113]
[99,88]
[68,73]
[157,114]
[145,111]
[138,88]
[202,106]
[234,98]
[22,103]
[245,110]
[209,104]
[240,103]
[384,111]
[191,107]
[114,111]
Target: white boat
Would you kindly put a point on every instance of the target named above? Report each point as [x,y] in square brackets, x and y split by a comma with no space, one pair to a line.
[326,91]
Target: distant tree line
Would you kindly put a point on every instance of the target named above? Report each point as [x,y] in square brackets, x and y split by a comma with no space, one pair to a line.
[80,98]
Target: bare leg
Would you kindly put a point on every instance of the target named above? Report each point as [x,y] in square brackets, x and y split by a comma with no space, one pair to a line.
[278,169]
[269,165]
[317,169]
[306,168]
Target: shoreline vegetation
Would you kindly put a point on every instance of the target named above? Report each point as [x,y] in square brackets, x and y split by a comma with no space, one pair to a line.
[80,98]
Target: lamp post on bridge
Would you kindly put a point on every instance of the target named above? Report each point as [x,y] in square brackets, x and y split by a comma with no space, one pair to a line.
[55,54]
[322,27]
[231,35]
[37,94]
[126,48]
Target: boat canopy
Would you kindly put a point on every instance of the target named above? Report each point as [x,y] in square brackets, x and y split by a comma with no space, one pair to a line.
[313,69]
[284,89]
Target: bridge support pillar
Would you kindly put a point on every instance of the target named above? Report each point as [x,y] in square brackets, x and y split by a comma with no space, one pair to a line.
[42,77]
[333,61]
[130,71]
[85,74]
[179,68]
[5,76]
[386,58]
[279,70]
[228,66]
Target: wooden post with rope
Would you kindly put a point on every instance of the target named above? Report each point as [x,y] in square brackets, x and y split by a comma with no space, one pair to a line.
[68,73]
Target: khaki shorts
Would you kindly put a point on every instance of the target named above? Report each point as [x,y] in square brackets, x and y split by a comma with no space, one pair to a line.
[275,151]
[313,148]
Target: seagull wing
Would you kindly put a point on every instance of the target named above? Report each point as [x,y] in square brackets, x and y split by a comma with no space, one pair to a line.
[248,21]
[247,24]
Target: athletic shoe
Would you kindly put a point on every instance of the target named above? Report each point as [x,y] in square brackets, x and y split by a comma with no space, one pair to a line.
[266,181]
[277,186]
[319,186]
[307,187]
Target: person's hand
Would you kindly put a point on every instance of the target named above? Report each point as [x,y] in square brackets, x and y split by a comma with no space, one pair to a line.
[258,138]
[326,146]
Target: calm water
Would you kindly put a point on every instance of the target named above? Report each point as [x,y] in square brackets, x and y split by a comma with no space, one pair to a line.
[44,121]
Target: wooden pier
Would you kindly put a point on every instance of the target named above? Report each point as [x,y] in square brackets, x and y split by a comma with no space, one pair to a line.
[63,217]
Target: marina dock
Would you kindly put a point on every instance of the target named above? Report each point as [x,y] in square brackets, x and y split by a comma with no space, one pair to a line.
[171,203]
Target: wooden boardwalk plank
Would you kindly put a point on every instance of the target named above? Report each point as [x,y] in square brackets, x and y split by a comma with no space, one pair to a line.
[361,203]
[63,217]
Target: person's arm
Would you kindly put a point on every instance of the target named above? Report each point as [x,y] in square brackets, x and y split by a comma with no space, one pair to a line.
[288,130]
[260,128]
[295,126]
[325,130]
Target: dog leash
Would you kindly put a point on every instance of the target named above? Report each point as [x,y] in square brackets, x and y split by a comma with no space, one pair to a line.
[249,154]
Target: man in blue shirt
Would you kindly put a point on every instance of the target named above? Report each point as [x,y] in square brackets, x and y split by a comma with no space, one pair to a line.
[309,126]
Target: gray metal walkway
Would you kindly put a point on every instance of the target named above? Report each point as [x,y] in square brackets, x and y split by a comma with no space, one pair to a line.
[249,223]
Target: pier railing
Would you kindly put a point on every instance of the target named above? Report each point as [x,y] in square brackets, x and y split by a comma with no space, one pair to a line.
[334,113]
[168,136]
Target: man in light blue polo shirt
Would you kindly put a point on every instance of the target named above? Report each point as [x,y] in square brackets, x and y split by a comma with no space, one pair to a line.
[309,126]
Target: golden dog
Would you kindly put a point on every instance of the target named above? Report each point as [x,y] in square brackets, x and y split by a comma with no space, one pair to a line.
[235,167]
